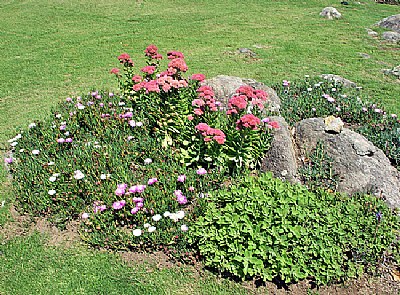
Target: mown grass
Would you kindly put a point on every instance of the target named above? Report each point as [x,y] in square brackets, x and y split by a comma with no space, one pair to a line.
[28,267]
[53,49]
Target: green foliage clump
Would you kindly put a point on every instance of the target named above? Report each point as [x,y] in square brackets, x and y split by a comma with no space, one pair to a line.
[315,98]
[263,227]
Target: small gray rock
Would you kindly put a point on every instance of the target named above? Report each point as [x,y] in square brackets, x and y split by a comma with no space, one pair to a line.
[391,36]
[333,125]
[247,51]
[372,33]
[330,13]
[395,71]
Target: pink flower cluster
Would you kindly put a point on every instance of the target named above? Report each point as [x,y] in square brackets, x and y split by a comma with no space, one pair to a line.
[206,97]
[270,124]
[152,52]
[245,94]
[138,201]
[98,207]
[175,54]
[148,70]
[62,140]
[211,133]
[198,77]
[180,198]
[177,64]
[248,121]
[164,83]
[125,59]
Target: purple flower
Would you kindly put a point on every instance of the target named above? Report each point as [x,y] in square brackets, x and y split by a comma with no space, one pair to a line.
[85,215]
[69,139]
[139,205]
[68,99]
[122,185]
[137,200]
[120,191]
[182,200]
[265,120]
[178,193]
[201,171]
[61,140]
[8,160]
[101,104]
[182,178]
[137,188]
[152,181]
[62,127]
[111,94]
[135,210]
[100,208]
[118,204]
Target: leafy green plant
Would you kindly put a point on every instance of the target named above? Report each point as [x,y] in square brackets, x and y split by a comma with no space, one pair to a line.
[263,227]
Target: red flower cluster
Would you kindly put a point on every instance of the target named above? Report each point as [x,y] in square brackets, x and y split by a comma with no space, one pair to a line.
[152,52]
[211,133]
[125,59]
[248,121]
[206,97]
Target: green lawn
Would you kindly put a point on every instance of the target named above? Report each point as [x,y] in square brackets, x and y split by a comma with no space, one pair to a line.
[53,49]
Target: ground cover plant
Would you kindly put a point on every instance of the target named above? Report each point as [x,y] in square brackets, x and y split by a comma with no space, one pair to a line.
[311,98]
[140,169]
[54,50]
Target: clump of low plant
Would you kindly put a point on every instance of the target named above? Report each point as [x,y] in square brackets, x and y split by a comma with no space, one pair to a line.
[263,227]
[320,98]
[317,171]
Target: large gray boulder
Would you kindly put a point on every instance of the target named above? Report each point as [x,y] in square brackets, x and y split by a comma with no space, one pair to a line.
[392,23]
[281,157]
[225,86]
[362,167]
[336,78]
